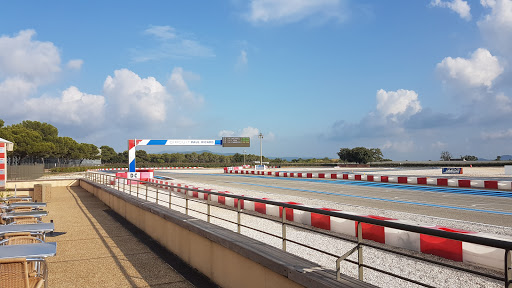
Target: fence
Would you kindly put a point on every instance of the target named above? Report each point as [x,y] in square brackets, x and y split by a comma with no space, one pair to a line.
[161,194]
[25,171]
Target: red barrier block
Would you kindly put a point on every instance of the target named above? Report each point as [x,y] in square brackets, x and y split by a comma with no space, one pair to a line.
[2,176]
[2,166]
[383,178]
[334,176]
[357,177]
[345,176]
[422,180]
[402,180]
[322,221]
[442,182]
[369,178]
[252,172]
[446,248]
[2,155]
[276,174]
[299,175]
[285,174]
[464,183]
[310,175]
[289,211]
[292,175]
[491,184]
[222,199]
[260,207]
[269,173]
[321,175]
[374,232]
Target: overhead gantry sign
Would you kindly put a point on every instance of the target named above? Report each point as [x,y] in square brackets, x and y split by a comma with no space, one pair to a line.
[225,142]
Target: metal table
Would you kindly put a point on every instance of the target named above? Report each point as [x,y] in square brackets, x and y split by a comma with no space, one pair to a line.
[32,252]
[35,205]
[31,228]
[17,197]
[8,217]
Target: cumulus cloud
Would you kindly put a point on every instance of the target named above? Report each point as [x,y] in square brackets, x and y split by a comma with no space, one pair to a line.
[75,64]
[135,99]
[395,104]
[171,44]
[72,108]
[458,6]
[479,70]
[179,89]
[23,57]
[288,11]
[496,26]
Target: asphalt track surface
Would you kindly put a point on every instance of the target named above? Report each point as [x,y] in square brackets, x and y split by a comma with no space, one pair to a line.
[475,205]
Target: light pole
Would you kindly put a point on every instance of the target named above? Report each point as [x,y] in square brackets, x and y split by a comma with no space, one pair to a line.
[261,154]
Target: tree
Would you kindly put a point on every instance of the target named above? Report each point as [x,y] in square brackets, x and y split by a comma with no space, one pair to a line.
[498,158]
[360,155]
[446,156]
[108,154]
[2,123]
[470,158]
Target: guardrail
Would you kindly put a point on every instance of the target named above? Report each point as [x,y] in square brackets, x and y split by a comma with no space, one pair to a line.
[161,194]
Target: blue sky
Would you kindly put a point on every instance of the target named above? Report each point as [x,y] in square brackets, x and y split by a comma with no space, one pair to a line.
[412,78]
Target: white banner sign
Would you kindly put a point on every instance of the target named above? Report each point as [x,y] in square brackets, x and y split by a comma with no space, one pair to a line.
[133,175]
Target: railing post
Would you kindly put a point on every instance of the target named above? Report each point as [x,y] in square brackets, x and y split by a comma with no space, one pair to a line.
[208,207]
[156,195]
[360,249]
[170,193]
[283,218]
[124,185]
[508,269]
[186,202]
[239,218]
[146,193]
[138,182]
[118,185]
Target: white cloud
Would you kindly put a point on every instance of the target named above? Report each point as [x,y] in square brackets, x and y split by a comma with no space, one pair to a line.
[399,146]
[497,25]
[161,32]
[242,60]
[171,45]
[75,64]
[504,134]
[397,103]
[179,89]
[247,132]
[288,11]
[134,99]
[480,70]
[72,108]
[503,103]
[34,61]
[12,91]
[458,6]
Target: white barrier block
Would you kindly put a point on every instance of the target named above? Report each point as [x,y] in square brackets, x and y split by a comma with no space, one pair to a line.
[403,239]
[272,210]
[504,185]
[364,178]
[214,198]
[249,205]
[230,202]
[351,177]
[200,195]
[302,217]
[392,179]
[412,180]
[431,181]
[477,184]
[343,226]
[484,255]
[376,179]
[453,182]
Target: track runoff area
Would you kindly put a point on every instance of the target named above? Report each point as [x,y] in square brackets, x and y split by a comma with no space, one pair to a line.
[462,209]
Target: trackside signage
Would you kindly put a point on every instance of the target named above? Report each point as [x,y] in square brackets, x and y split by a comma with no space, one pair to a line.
[452,170]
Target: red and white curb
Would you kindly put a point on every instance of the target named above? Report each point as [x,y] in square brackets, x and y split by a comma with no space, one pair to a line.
[447,182]
[446,248]
[153,168]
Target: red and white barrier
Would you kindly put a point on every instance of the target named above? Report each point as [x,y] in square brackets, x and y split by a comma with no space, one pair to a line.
[463,183]
[450,249]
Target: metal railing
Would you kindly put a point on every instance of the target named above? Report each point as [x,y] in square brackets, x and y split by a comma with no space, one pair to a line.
[158,193]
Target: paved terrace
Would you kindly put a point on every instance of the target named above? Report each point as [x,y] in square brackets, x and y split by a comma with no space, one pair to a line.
[98,248]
